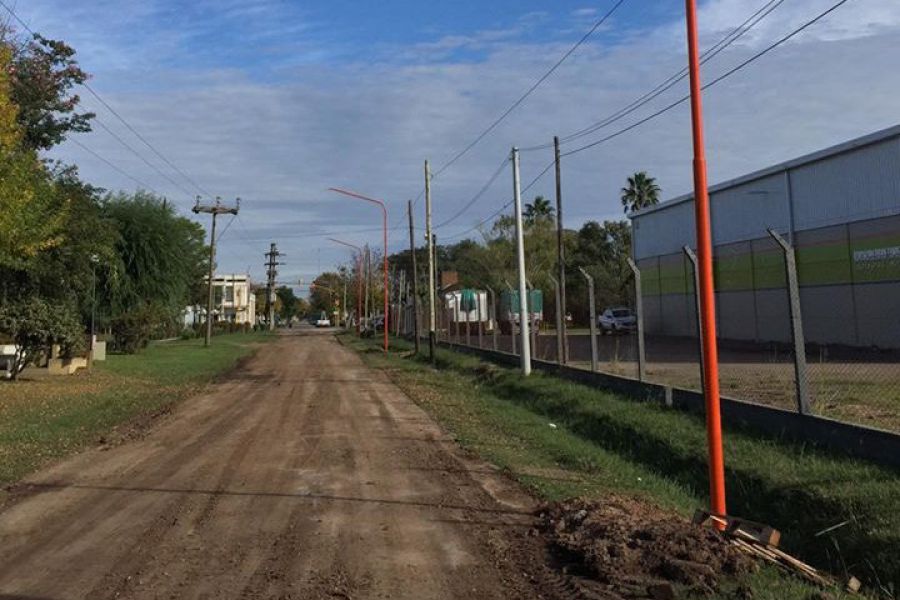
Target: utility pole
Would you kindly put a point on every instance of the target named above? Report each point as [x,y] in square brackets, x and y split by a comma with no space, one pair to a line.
[415,275]
[215,210]
[368,285]
[271,272]
[431,266]
[705,264]
[560,258]
[524,315]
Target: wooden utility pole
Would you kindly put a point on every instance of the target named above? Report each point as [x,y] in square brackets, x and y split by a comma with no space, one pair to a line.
[215,210]
[271,272]
[431,266]
[560,258]
[415,276]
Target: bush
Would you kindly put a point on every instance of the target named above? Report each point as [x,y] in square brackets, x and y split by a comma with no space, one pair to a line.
[34,326]
[133,330]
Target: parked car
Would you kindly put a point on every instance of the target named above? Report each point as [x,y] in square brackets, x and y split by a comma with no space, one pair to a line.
[323,320]
[616,320]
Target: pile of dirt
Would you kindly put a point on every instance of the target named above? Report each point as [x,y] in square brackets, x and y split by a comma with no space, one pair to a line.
[634,550]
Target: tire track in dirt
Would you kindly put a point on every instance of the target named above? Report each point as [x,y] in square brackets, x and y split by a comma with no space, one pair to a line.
[307,475]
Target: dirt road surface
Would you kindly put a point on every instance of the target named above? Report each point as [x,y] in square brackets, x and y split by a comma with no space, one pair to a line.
[302,475]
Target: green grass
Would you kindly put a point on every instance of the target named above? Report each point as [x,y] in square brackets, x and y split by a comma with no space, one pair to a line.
[47,418]
[606,443]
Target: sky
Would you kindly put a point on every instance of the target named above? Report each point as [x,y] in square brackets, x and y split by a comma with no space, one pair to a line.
[275,101]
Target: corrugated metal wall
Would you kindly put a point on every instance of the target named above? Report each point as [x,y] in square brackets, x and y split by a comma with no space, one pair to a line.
[839,210]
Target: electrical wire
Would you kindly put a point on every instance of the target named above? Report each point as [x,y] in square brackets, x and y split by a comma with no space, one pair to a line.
[114,112]
[114,167]
[141,156]
[476,197]
[718,79]
[530,90]
[733,36]
[505,206]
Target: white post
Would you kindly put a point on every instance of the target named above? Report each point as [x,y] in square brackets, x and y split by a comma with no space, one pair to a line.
[520,255]
[431,266]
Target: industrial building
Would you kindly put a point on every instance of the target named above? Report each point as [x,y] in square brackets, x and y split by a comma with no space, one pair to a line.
[839,207]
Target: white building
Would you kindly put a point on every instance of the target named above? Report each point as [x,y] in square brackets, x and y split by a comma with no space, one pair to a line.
[233,301]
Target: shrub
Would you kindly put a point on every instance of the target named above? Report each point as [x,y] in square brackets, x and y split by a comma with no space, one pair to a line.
[34,326]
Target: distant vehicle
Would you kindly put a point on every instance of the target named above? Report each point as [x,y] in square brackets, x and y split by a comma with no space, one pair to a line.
[616,320]
[323,320]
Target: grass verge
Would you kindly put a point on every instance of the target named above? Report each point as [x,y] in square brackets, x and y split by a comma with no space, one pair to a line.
[564,439]
[45,418]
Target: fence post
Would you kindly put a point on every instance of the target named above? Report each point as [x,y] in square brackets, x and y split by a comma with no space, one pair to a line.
[800,375]
[455,314]
[639,314]
[695,270]
[560,359]
[592,309]
[478,308]
[492,316]
[468,321]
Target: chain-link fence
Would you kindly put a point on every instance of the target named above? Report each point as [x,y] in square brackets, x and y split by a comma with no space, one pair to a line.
[767,308]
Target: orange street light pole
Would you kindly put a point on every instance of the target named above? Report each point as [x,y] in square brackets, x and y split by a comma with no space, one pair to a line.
[358,279]
[384,225]
[705,266]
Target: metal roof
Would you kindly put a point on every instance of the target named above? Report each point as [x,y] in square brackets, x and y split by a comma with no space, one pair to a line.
[860,142]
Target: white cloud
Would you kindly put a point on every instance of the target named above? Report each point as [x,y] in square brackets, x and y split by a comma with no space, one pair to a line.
[369,125]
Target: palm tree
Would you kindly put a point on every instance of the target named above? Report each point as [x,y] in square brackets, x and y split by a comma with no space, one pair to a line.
[539,210]
[641,192]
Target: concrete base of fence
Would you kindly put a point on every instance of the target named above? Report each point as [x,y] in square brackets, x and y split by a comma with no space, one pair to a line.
[874,445]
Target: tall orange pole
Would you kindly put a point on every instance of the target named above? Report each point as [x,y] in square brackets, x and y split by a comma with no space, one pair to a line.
[384,225]
[707,291]
[358,279]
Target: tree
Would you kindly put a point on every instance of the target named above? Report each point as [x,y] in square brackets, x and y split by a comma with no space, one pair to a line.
[42,75]
[31,215]
[162,260]
[641,192]
[291,305]
[326,291]
[604,250]
[539,211]
[34,325]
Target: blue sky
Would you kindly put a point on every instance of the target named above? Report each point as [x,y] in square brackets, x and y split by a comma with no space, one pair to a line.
[276,100]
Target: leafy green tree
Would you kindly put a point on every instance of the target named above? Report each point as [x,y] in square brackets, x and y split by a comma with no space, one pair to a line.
[34,325]
[539,211]
[640,192]
[31,215]
[604,250]
[43,73]
[290,303]
[162,260]
[326,291]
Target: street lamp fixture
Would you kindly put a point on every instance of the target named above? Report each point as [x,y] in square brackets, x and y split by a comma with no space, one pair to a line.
[384,225]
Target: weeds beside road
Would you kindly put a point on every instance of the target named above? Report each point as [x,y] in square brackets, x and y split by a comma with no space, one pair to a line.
[564,439]
[46,418]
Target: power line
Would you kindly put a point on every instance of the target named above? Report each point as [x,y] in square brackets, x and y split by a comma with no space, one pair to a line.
[144,140]
[670,82]
[505,206]
[530,90]
[141,156]
[114,167]
[721,77]
[478,195]
[113,111]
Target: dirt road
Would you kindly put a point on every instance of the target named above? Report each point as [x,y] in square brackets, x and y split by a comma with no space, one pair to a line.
[303,475]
